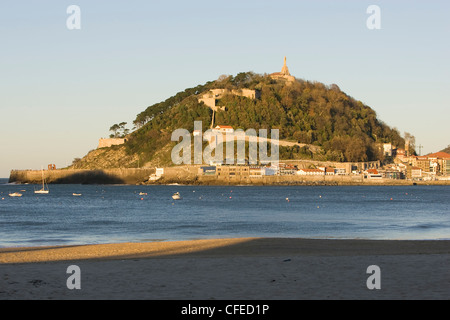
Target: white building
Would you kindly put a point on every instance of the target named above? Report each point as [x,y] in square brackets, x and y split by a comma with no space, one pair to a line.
[310,172]
[387,149]
[157,175]
[329,171]
[223,129]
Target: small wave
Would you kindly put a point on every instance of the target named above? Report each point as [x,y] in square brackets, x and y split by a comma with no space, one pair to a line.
[34,243]
[49,241]
[178,227]
[24,223]
[101,222]
[426,226]
[191,226]
[151,240]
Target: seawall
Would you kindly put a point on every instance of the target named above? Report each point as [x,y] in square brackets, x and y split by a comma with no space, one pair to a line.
[82,176]
[310,180]
[189,175]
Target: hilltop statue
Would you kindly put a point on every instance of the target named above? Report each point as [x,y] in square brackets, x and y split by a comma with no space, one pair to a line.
[284,74]
[285,70]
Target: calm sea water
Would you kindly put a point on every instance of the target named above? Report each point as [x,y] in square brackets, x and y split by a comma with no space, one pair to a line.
[107,214]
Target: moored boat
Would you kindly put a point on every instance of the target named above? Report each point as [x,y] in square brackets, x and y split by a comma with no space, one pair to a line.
[43,190]
[15,194]
[176,196]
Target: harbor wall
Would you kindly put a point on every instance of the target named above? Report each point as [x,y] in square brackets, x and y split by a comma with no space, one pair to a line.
[190,175]
[82,176]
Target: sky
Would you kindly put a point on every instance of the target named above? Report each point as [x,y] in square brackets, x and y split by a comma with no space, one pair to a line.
[61,89]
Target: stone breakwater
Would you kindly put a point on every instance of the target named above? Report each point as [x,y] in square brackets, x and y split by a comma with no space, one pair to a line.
[189,175]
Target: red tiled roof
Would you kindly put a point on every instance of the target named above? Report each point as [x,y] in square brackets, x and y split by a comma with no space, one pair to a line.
[438,155]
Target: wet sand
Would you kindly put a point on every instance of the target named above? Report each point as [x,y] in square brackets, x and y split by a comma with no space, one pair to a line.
[230,269]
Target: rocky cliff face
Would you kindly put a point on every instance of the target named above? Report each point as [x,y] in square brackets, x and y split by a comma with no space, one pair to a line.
[118,157]
[105,158]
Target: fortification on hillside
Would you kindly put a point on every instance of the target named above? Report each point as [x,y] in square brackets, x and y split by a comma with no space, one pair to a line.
[106,143]
[210,98]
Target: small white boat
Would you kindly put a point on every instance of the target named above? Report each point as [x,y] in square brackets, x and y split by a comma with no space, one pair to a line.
[176,196]
[15,194]
[42,191]
[142,193]
[76,194]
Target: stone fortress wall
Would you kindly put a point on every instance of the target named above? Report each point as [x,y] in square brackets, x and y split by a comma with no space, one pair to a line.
[209,98]
[108,142]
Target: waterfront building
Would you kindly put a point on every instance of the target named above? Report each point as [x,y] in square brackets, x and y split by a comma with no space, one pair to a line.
[329,171]
[270,171]
[256,172]
[310,172]
[207,171]
[416,173]
[434,163]
[373,174]
[232,171]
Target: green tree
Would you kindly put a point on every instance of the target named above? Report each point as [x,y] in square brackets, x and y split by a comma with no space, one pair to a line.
[115,130]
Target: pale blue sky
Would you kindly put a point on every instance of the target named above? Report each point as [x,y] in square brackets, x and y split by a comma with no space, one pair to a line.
[61,90]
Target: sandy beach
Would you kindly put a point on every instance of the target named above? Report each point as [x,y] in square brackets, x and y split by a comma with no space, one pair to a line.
[230,269]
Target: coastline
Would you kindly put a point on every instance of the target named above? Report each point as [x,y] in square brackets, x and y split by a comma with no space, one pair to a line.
[189,176]
[240,268]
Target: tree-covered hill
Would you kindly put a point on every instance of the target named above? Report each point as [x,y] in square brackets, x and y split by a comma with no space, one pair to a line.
[306,112]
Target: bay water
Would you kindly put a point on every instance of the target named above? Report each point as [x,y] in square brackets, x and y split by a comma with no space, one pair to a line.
[123,213]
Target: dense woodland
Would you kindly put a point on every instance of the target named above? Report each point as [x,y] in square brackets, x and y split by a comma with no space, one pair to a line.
[307,112]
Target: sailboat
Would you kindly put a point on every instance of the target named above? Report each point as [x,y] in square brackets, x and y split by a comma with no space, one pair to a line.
[43,190]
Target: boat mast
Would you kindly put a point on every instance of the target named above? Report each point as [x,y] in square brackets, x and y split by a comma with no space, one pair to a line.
[43,186]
